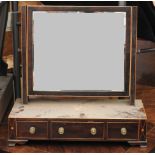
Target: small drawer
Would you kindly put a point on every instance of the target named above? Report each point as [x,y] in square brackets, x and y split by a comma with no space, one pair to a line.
[32,129]
[122,130]
[78,130]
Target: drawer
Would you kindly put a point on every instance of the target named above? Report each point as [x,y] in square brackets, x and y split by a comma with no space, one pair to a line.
[78,130]
[32,129]
[122,130]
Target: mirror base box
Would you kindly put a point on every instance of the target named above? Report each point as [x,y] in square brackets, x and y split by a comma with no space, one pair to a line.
[81,120]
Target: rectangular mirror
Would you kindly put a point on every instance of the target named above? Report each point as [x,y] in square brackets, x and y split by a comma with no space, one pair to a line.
[78,51]
[81,51]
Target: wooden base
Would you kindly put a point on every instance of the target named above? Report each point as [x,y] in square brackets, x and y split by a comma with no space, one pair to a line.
[85,120]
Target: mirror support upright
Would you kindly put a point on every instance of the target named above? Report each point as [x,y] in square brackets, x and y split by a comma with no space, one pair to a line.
[16,49]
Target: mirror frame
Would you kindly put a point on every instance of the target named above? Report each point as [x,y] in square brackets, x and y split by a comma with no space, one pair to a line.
[130,52]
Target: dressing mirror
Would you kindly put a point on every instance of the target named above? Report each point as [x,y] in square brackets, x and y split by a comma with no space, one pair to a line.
[79,51]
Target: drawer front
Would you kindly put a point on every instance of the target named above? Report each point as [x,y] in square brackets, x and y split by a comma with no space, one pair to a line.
[32,129]
[122,131]
[71,130]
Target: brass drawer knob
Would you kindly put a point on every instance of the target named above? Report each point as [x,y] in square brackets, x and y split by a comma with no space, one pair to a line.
[61,130]
[12,128]
[32,130]
[123,131]
[93,131]
[142,130]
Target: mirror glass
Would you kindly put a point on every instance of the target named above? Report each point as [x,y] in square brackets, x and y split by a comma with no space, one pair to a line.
[78,51]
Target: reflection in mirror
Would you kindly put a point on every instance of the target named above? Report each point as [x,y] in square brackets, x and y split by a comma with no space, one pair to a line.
[78,51]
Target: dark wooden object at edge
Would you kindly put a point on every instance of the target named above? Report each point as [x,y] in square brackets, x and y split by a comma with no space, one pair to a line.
[6,93]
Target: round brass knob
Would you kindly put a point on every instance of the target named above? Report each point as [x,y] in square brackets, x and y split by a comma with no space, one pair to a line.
[61,130]
[93,131]
[12,128]
[123,131]
[142,130]
[32,130]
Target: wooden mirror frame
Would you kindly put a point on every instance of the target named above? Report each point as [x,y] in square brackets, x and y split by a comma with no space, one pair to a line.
[129,62]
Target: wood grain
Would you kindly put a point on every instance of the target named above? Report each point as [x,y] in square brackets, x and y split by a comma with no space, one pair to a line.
[23,129]
[114,130]
[76,130]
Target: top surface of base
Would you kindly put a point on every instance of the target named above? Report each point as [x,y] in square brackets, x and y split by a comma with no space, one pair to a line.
[81,109]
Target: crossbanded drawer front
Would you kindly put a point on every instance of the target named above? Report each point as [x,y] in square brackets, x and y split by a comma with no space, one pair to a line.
[32,129]
[71,130]
[122,130]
